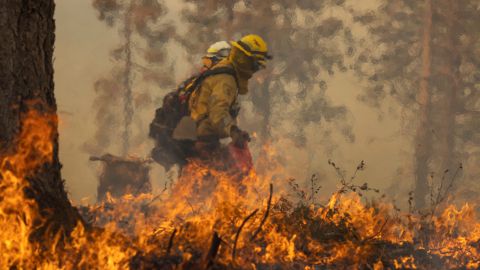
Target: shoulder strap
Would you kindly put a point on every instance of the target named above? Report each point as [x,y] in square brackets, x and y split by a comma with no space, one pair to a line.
[220,70]
[211,72]
[185,84]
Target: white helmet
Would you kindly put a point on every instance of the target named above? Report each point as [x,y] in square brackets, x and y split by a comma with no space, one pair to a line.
[218,50]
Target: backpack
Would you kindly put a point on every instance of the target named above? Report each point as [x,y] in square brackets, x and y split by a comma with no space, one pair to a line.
[175,106]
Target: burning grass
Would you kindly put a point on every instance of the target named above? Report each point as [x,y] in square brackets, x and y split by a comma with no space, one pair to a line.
[213,219]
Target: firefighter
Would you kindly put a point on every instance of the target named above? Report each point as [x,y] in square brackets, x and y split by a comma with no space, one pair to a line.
[216,52]
[173,141]
[214,106]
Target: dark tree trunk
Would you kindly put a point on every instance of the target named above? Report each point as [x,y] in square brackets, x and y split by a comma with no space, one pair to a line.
[26,74]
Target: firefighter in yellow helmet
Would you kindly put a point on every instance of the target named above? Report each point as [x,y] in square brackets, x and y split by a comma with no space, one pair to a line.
[171,128]
[214,106]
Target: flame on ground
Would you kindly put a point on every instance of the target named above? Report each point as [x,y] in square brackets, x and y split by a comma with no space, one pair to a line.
[213,217]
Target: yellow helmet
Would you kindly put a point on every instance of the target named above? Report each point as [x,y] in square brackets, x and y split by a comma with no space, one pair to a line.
[253,46]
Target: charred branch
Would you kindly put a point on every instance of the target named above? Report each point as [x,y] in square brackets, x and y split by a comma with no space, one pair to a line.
[265,216]
[170,241]
[212,252]
[237,235]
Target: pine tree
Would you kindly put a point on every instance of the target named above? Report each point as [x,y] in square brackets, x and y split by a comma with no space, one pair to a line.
[138,22]
[418,53]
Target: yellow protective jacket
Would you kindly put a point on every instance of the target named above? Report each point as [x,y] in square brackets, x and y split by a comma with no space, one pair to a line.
[211,104]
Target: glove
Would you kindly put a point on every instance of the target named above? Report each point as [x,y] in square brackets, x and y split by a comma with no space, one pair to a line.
[239,137]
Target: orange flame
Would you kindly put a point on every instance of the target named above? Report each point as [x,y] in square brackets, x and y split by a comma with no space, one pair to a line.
[345,234]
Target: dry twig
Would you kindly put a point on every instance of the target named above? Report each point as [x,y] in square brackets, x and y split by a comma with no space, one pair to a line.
[377,233]
[264,216]
[239,231]
[212,252]
[170,241]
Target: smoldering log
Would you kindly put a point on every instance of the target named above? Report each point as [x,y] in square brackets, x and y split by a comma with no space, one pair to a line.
[123,175]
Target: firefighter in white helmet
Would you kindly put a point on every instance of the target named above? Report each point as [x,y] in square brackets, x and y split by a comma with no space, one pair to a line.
[216,52]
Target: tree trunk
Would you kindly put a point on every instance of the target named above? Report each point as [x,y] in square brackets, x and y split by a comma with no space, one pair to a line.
[423,145]
[127,79]
[261,102]
[229,19]
[26,73]
[450,72]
